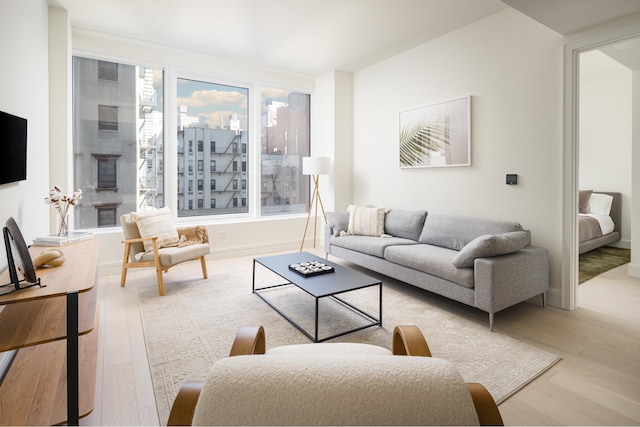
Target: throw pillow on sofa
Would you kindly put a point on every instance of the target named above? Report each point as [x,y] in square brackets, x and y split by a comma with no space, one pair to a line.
[491,245]
[366,221]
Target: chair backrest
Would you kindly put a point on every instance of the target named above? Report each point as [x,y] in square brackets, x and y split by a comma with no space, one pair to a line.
[281,389]
[130,231]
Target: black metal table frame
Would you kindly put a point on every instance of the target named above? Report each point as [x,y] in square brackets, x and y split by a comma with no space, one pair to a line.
[374,321]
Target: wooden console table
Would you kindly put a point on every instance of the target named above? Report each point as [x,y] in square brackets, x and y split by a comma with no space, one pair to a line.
[55,329]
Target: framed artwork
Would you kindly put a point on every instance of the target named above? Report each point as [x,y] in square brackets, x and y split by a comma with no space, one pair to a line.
[437,135]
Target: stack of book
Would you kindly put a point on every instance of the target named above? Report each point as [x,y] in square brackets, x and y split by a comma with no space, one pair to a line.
[55,240]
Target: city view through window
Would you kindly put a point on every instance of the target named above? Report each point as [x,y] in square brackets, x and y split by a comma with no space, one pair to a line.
[119,154]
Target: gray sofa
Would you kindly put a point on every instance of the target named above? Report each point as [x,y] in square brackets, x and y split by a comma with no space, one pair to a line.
[487,264]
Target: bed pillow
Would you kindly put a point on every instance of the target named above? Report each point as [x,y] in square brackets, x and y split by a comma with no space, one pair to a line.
[366,221]
[583,204]
[600,203]
[157,223]
[491,245]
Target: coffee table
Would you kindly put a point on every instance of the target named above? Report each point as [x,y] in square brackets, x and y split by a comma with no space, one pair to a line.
[328,285]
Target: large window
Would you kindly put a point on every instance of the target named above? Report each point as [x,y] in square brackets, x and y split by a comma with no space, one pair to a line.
[222,166]
[117,140]
[284,139]
[217,116]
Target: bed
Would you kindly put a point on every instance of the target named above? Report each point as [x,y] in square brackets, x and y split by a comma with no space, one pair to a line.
[599,219]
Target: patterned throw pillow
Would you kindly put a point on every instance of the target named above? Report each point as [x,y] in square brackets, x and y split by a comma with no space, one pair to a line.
[157,223]
[366,221]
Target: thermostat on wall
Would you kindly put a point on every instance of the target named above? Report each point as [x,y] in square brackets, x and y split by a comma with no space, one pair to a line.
[512,179]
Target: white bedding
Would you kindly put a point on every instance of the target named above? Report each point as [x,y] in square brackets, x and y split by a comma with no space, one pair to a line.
[605,221]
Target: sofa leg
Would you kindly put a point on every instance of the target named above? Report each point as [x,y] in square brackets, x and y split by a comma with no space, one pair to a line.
[491,322]
[544,299]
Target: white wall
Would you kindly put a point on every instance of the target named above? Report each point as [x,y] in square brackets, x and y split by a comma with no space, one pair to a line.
[24,92]
[605,130]
[512,68]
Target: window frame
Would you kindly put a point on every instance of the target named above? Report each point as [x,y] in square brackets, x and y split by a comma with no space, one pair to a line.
[170,113]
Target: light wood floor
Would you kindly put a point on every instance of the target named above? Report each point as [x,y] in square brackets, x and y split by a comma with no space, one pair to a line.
[597,382]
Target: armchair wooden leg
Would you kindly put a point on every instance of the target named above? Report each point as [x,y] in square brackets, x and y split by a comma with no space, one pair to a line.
[125,260]
[156,257]
[203,262]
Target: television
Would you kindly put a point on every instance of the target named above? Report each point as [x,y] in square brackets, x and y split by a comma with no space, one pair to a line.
[13,148]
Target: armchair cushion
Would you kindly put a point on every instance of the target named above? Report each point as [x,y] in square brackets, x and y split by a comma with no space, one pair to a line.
[174,255]
[158,223]
[338,389]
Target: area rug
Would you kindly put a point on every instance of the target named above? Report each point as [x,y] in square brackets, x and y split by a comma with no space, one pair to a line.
[195,323]
[601,260]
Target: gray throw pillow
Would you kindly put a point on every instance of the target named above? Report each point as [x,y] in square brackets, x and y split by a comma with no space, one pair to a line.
[405,224]
[491,245]
[339,221]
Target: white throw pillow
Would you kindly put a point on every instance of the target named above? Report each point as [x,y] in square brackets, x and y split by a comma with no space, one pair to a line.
[366,221]
[157,223]
[600,203]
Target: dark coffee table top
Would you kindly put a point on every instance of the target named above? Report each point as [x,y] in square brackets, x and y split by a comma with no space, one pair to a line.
[343,279]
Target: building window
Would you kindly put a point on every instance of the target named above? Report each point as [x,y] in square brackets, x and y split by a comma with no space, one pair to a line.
[107,216]
[200,185]
[283,144]
[107,71]
[200,203]
[107,171]
[107,117]
[216,115]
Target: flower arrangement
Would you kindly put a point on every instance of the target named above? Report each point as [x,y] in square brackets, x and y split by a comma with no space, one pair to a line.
[62,204]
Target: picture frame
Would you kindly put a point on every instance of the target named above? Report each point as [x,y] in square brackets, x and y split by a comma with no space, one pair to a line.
[438,135]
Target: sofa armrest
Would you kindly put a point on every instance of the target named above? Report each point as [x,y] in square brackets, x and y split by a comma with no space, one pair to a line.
[328,232]
[505,280]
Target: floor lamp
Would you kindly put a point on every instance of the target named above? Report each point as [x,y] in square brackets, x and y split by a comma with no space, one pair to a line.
[315,166]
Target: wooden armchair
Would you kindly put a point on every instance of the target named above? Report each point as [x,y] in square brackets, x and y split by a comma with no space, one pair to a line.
[333,384]
[152,240]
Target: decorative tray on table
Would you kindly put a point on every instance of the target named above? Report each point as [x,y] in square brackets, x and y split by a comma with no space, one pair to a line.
[311,268]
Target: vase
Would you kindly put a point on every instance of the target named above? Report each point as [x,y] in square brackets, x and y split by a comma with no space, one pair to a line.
[63,225]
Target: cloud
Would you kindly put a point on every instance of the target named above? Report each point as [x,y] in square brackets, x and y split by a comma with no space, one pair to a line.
[211,98]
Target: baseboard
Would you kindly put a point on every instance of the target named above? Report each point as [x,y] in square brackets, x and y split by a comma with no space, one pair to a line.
[633,270]
[623,244]
[554,298]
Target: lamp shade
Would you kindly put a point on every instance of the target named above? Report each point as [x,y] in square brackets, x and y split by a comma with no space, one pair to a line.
[316,165]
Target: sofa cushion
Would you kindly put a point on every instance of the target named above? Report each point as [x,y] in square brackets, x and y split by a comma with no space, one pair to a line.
[491,245]
[366,221]
[431,259]
[406,224]
[369,245]
[456,231]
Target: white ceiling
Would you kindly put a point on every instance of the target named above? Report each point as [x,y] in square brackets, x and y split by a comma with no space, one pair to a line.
[317,36]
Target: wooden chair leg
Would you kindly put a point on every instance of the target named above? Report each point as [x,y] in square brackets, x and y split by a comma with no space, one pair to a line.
[156,257]
[203,262]
[125,260]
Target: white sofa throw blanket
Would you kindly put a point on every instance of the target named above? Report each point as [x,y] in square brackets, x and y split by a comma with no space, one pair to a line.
[287,389]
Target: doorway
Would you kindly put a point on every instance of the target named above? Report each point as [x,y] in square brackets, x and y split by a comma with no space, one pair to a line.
[605,107]
[572,176]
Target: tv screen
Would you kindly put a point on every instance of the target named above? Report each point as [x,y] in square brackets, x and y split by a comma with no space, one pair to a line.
[13,148]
